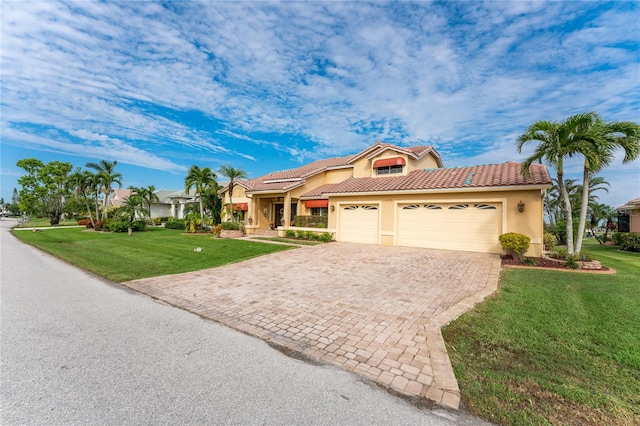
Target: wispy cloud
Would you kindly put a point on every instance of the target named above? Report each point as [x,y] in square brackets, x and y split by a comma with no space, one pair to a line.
[307,79]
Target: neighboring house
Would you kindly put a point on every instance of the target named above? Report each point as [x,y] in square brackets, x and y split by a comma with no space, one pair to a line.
[117,197]
[171,203]
[396,196]
[629,216]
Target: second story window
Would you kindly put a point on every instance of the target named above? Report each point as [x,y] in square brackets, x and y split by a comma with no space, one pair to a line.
[389,170]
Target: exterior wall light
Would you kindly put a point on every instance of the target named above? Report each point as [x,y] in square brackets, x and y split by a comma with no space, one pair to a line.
[521,206]
[332,207]
[265,212]
[250,220]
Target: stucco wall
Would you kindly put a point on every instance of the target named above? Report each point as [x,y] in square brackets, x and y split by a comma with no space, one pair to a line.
[634,221]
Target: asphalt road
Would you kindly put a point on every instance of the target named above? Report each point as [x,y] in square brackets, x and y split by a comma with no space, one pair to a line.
[75,348]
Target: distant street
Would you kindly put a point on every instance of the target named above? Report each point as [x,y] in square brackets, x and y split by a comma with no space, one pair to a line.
[78,349]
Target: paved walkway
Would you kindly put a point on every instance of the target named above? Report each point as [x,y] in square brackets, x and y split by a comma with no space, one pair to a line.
[375,311]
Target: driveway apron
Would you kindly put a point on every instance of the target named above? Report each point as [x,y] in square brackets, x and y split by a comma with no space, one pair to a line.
[372,310]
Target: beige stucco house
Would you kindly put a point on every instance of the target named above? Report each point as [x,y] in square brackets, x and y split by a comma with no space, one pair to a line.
[629,216]
[397,196]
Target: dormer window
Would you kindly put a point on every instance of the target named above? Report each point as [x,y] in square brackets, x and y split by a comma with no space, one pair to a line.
[389,166]
[389,170]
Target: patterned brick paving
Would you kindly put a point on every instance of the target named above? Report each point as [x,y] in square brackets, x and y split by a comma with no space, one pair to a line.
[375,311]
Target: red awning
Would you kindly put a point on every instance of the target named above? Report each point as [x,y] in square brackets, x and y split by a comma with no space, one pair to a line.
[386,162]
[241,206]
[316,203]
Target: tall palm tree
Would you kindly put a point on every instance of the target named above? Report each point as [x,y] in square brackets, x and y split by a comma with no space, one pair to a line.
[105,170]
[555,142]
[199,179]
[82,182]
[601,141]
[232,174]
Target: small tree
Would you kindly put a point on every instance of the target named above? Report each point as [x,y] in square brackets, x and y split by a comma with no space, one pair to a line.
[45,187]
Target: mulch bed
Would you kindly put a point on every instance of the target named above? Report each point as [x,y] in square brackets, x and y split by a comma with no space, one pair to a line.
[541,262]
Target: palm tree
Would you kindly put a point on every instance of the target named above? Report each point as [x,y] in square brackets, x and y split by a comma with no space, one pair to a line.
[601,141]
[105,170]
[82,181]
[232,174]
[555,142]
[199,179]
[148,196]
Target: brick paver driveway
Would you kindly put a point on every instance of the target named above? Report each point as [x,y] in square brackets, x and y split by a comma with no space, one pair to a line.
[376,311]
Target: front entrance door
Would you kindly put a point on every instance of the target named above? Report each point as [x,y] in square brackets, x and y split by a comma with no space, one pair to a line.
[280,213]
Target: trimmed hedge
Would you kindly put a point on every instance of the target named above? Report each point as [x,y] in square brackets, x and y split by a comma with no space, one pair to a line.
[311,221]
[629,241]
[173,223]
[231,226]
[124,225]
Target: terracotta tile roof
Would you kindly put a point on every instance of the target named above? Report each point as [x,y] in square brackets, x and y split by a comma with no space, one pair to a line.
[492,175]
[286,180]
[630,205]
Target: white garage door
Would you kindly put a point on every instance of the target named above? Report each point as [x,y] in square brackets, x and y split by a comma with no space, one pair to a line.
[359,224]
[459,226]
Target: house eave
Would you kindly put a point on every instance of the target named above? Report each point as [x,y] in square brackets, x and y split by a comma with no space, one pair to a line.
[440,190]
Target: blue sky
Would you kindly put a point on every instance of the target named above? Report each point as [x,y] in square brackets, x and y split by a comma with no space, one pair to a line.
[269,86]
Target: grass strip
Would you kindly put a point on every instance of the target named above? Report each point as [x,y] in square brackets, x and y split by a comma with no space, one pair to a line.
[554,348]
[289,241]
[157,251]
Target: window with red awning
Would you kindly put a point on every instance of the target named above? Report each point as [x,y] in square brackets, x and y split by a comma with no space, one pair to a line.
[241,206]
[386,162]
[316,203]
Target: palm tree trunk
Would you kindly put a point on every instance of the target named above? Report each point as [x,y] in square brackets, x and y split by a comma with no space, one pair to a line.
[583,208]
[568,217]
[231,208]
[86,203]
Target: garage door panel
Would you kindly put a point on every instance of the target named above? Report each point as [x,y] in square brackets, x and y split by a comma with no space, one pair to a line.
[460,226]
[359,224]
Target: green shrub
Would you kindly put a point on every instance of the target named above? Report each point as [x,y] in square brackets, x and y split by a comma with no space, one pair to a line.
[561,230]
[124,225]
[571,262]
[560,253]
[630,241]
[173,223]
[156,221]
[118,225]
[616,237]
[325,237]
[549,241]
[515,244]
[231,226]
[289,233]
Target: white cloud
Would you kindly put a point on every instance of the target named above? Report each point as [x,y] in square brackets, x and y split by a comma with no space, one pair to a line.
[465,76]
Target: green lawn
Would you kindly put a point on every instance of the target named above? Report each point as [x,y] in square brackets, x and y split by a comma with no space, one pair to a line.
[157,251]
[554,347]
